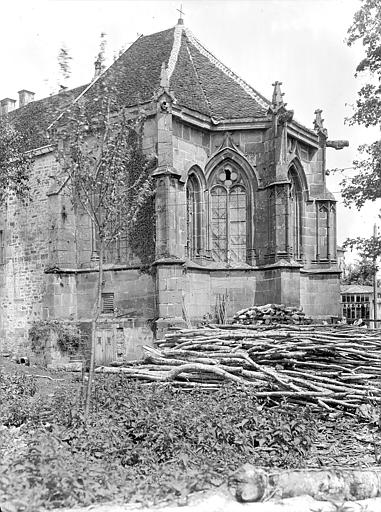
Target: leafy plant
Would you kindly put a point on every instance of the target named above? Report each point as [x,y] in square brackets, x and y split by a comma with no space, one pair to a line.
[151,443]
[68,335]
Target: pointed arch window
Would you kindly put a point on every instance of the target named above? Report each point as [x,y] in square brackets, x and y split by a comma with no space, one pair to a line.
[228,216]
[295,209]
[193,192]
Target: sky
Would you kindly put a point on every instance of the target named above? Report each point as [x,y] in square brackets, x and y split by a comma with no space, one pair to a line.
[299,42]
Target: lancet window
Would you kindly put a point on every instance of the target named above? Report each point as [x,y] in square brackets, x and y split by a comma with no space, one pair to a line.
[228,215]
[295,209]
[194,206]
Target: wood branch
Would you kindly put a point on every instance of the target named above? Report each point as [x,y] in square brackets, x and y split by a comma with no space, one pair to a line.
[203,368]
[329,367]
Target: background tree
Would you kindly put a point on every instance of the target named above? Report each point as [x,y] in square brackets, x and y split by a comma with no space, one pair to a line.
[365,185]
[361,272]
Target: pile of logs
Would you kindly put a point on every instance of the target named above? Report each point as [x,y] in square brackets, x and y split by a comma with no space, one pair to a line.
[332,367]
[271,314]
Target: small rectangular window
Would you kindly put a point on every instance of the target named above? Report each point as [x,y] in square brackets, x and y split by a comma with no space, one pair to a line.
[107,303]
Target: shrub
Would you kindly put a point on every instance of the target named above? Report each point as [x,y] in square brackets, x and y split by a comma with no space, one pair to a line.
[69,337]
[148,443]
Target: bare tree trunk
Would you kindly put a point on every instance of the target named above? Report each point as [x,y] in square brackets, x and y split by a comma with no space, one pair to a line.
[96,313]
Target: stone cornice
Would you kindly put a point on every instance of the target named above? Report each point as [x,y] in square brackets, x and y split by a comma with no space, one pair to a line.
[303,134]
[88,270]
[244,267]
[320,271]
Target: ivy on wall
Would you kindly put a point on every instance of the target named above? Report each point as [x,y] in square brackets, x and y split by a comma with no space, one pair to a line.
[68,335]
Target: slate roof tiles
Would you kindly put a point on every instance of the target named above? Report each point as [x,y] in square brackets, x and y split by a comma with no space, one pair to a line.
[198,80]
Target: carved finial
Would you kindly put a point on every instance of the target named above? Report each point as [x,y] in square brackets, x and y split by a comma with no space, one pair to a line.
[318,123]
[164,80]
[97,67]
[277,96]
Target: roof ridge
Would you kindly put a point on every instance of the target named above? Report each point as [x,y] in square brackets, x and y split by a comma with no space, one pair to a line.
[175,50]
[199,81]
[245,86]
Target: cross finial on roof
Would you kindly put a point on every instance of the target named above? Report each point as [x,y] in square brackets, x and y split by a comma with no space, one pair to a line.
[180,21]
[277,95]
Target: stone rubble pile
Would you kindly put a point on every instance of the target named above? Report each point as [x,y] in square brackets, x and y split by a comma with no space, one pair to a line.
[271,314]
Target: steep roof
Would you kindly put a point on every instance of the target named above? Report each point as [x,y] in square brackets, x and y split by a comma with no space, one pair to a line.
[33,119]
[198,80]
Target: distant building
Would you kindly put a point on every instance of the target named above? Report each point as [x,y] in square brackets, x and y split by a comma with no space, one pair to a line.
[357,302]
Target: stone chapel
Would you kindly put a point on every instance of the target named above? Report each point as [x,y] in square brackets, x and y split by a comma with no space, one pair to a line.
[242,210]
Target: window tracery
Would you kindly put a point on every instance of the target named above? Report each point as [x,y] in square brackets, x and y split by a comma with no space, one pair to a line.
[228,215]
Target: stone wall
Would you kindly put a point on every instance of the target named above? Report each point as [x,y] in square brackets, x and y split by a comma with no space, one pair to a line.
[26,230]
[320,294]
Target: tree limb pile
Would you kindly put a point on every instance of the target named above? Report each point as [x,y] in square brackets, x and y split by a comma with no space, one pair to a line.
[332,367]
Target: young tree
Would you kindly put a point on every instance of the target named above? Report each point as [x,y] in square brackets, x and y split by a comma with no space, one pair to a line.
[99,149]
[365,185]
[15,163]
[361,272]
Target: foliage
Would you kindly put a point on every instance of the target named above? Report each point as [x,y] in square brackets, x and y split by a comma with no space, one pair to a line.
[365,185]
[69,336]
[17,393]
[148,444]
[361,272]
[366,27]
[15,164]
[64,59]
[98,143]
[368,248]
[16,385]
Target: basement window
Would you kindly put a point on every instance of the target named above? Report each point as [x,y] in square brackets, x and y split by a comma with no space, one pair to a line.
[107,303]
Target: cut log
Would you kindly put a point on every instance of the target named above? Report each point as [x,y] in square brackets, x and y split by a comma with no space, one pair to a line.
[252,484]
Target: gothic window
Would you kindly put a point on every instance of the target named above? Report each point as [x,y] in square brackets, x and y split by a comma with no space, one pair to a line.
[229,211]
[323,231]
[193,216]
[295,215]
[326,230]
